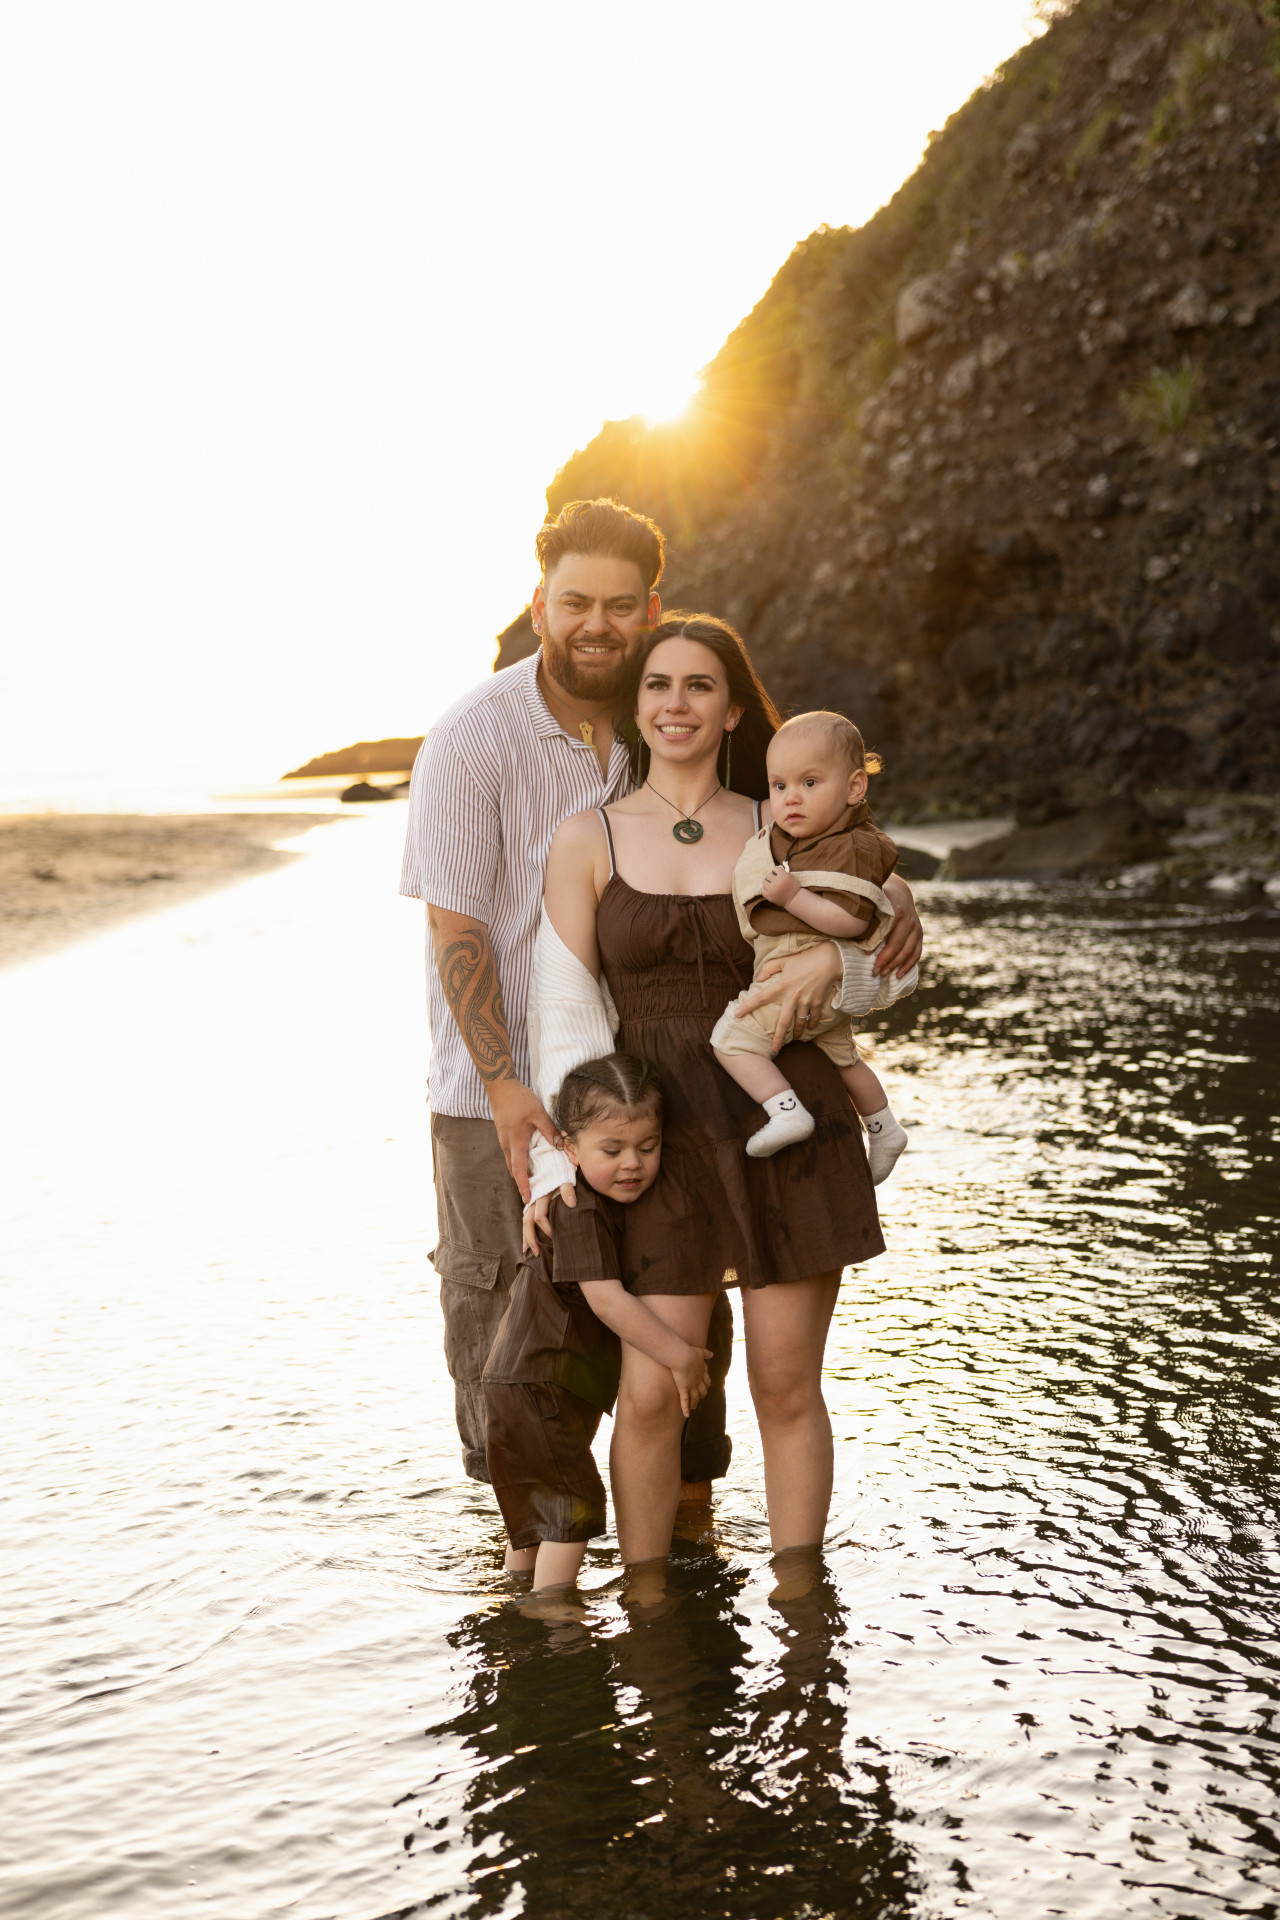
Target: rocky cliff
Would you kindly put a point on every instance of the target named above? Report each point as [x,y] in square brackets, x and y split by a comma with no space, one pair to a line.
[998,473]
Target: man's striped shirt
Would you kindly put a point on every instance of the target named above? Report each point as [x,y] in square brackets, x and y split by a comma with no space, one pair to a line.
[494,778]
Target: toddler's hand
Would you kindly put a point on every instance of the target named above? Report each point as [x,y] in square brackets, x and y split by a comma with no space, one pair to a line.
[537,1218]
[779,886]
[693,1382]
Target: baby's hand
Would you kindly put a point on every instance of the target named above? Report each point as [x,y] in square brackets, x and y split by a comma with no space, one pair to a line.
[693,1382]
[780,886]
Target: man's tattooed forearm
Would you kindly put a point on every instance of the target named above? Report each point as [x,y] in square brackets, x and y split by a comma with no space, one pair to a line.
[471,986]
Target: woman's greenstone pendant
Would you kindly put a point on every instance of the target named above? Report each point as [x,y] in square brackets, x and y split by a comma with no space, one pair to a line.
[687,831]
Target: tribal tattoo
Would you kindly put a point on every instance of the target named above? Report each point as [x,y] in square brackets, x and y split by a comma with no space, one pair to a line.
[469,975]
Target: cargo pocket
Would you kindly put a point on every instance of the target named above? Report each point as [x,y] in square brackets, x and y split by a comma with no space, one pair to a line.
[473,1302]
[464,1266]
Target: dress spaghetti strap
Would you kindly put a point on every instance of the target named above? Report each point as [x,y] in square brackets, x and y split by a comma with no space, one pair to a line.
[608,834]
[755,808]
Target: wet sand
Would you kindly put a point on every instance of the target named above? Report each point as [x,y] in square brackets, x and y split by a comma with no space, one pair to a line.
[66,875]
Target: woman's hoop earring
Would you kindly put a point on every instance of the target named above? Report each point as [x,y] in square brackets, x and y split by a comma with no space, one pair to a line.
[728,753]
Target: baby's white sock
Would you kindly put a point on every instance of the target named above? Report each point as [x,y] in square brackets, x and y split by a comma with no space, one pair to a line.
[885,1141]
[788,1121]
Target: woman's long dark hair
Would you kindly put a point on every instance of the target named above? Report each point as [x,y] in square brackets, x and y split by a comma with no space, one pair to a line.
[760,718]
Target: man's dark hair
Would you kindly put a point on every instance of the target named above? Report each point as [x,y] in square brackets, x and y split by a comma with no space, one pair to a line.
[603,527]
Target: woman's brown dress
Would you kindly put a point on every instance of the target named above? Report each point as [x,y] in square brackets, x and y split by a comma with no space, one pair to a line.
[714,1218]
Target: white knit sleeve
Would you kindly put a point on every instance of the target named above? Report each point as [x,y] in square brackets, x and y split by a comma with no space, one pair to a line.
[864,992]
[571,1018]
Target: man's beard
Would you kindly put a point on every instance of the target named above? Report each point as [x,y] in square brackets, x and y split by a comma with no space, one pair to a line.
[601,683]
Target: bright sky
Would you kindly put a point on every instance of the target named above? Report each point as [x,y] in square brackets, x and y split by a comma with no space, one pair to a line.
[306,302]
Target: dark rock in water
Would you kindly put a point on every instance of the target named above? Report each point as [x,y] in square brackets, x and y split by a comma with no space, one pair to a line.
[363,791]
[915,864]
[1112,836]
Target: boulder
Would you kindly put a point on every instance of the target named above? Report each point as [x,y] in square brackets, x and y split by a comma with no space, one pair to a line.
[960,378]
[1191,307]
[363,791]
[922,305]
[1108,836]
[1023,150]
[915,864]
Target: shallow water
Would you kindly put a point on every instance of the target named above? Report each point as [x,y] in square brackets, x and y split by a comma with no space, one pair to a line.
[257,1657]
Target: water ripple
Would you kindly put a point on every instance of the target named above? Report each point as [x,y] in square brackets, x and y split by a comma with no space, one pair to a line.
[257,1655]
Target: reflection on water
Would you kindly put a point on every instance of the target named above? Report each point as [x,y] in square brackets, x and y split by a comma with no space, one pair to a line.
[668,1768]
[257,1656]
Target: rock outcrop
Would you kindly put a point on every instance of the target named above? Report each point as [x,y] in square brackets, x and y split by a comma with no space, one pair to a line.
[1098,838]
[367,756]
[998,474]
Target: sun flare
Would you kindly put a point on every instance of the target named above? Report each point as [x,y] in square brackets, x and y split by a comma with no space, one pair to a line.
[668,399]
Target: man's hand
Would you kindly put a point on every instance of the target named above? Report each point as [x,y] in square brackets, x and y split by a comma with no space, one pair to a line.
[518,1114]
[779,886]
[801,987]
[537,1217]
[905,941]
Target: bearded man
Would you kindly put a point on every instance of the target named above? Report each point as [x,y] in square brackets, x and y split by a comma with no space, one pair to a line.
[494,778]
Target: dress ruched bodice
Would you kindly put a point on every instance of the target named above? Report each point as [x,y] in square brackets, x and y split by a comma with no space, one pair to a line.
[713,1217]
[671,956]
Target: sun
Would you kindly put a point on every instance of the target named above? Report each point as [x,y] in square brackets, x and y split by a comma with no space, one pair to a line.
[668,398]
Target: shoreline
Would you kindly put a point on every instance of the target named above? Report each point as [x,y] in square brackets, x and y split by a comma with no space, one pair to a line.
[66,876]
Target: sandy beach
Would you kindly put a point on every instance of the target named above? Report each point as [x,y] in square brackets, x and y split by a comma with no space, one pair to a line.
[66,875]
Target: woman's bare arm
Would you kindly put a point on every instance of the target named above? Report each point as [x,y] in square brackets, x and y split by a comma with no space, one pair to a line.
[571,891]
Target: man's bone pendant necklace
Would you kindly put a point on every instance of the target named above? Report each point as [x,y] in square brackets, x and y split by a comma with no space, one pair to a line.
[686,830]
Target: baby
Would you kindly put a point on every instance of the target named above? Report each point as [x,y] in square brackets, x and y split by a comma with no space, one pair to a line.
[816,874]
[555,1362]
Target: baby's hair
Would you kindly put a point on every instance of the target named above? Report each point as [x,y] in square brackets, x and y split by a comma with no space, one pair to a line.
[842,736]
[618,1083]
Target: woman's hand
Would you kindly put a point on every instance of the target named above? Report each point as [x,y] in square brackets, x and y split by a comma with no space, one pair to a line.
[693,1382]
[800,986]
[905,942]
[537,1217]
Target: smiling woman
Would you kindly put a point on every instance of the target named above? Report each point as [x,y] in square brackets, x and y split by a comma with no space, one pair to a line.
[646,906]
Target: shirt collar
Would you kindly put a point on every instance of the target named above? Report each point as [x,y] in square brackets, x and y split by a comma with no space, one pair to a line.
[541,718]
[852,817]
[544,722]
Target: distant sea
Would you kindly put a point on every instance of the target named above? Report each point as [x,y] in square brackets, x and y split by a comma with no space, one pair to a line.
[243,789]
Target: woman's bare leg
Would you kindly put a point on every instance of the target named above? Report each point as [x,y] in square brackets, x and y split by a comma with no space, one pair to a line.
[644,1459]
[786,1327]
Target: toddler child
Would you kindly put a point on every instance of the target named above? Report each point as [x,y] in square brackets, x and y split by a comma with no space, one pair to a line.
[817,874]
[554,1365]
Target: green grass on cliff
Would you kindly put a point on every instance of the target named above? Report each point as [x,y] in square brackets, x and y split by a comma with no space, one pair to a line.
[790,383]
